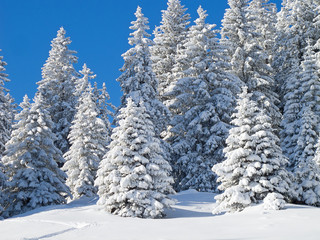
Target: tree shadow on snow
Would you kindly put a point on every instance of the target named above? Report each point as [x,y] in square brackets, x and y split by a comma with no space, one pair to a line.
[184,213]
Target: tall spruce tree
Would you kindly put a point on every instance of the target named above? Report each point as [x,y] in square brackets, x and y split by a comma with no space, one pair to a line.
[30,161]
[100,97]
[242,33]
[133,178]
[201,103]
[89,138]
[58,87]
[6,108]
[263,16]
[295,27]
[305,169]
[82,84]
[138,80]
[105,107]
[254,165]
[167,38]
[3,188]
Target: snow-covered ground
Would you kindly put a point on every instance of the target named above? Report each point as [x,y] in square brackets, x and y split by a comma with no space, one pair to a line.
[191,218]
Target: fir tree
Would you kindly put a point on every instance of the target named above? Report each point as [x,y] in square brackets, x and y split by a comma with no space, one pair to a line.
[295,26]
[242,33]
[58,87]
[88,137]
[30,161]
[6,108]
[305,169]
[105,107]
[100,97]
[263,17]
[138,80]
[83,83]
[201,103]
[3,188]
[167,37]
[254,165]
[309,92]
[133,178]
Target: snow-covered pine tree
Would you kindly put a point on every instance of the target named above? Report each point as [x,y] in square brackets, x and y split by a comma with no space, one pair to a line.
[89,138]
[254,165]
[99,96]
[280,63]
[133,178]
[30,161]
[305,169]
[138,80]
[316,23]
[295,26]
[263,16]
[6,108]
[234,29]
[198,129]
[242,34]
[81,84]
[3,187]
[309,92]
[105,107]
[167,38]
[58,87]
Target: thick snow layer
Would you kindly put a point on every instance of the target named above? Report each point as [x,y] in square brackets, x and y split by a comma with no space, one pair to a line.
[191,218]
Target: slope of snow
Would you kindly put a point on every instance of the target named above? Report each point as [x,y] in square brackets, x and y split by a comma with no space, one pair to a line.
[190,218]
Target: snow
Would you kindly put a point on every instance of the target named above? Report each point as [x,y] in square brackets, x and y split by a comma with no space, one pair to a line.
[190,218]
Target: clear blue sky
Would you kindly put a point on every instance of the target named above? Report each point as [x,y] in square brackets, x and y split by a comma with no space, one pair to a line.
[99,30]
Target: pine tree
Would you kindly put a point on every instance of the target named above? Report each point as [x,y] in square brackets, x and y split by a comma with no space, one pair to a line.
[3,187]
[6,108]
[133,178]
[138,80]
[167,38]
[305,170]
[30,161]
[83,83]
[88,137]
[242,33]
[201,103]
[304,167]
[100,97]
[254,165]
[316,25]
[263,17]
[309,92]
[295,27]
[58,87]
[105,107]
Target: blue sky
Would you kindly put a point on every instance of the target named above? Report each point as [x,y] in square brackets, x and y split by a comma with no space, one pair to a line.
[99,30]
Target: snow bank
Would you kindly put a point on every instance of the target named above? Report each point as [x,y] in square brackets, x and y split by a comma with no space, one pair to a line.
[190,219]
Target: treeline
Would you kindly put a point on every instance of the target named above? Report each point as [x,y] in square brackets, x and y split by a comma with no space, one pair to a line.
[233,111]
